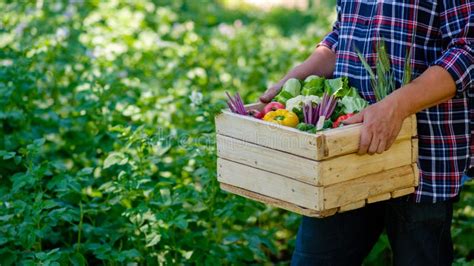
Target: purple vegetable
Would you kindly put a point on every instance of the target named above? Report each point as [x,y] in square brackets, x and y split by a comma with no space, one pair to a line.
[327,105]
[311,113]
[325,108]
[236,105]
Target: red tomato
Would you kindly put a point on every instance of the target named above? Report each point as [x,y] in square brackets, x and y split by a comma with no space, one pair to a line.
[339,120]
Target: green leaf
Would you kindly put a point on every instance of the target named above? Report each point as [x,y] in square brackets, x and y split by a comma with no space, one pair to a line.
[39,142]
[77,259]
[7,155]
[6,217]
[152,239]
[8,257]
[115,158]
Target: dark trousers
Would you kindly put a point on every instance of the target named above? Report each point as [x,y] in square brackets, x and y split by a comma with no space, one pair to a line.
[419,234]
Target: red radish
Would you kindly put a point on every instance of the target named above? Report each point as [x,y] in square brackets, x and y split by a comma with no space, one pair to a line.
[256,113]
[273,106]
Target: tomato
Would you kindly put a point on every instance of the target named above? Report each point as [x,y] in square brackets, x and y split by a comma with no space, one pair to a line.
[339,120]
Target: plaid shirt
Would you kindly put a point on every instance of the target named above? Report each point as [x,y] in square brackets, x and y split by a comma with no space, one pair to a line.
[441,33]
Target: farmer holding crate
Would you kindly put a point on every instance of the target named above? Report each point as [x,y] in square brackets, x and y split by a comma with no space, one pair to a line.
[440,35]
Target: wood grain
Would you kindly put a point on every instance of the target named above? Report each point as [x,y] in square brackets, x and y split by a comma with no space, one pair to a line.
[345,140]
[282,163]
[352,206]
[403,192]
[269,135]
[352,166]
[344,193]
[377,198]
[276,202]
[269,184]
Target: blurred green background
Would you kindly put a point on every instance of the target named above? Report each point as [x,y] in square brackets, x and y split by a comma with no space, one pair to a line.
[107,151]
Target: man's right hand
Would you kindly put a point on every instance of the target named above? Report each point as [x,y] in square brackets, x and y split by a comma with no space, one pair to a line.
[270,93]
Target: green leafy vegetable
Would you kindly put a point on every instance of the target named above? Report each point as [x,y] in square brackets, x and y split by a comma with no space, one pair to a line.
[313,85]
[283,96]
[353,104]
[339,87]
[305,127]
[291,88]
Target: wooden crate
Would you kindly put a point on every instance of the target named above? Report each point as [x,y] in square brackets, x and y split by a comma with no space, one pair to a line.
[311,174]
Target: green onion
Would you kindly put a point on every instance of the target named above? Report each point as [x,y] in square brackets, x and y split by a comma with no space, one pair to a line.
[383,81]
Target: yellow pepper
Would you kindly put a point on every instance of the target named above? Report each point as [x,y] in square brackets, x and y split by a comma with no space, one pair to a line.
[282,117]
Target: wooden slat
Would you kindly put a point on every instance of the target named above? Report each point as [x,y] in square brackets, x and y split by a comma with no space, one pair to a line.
[377,198]
[414,150]
[321,173]
[403,192]
[276,202]
[351,166]
[346,139]
[269,135]
[263,158]
[414,131]
[352,206]
[269,184]
[321,146]
[344,193]
[416,173]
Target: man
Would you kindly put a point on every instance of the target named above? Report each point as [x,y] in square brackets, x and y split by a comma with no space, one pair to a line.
[441,36]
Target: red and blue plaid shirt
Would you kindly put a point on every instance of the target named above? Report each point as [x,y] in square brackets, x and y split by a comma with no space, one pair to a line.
[441,33]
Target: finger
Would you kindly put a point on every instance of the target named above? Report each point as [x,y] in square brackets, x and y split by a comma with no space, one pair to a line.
[357,118]
[390,142]
[381,147]
[269,94]
[374,144]
[393,139]
[365,139]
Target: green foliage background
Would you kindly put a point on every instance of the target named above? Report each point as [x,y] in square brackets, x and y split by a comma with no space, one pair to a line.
[107,139]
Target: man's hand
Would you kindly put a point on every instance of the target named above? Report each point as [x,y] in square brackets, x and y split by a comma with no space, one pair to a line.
[383,120]
[321,62]
[381,125]
[270,93]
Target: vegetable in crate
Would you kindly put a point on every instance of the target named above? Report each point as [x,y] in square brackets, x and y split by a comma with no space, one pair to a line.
[256,113]
[383,81]
[273,106]
[316,117]
[282,117]
[353,104]
[306,127]
[340,88]
[291,88]
[236,105]
[341,118]
[313,85]
[296,104]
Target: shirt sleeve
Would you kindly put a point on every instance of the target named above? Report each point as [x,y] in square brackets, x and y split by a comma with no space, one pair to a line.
[332,38]
[457,28]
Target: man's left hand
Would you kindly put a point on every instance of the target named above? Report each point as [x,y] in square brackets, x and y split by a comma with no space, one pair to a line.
[381,125]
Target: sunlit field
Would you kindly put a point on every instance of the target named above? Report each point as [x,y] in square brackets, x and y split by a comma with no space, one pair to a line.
[107,140]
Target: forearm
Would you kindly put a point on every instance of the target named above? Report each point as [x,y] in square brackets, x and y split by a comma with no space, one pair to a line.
[321,63]
[433,87]
[383,120]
